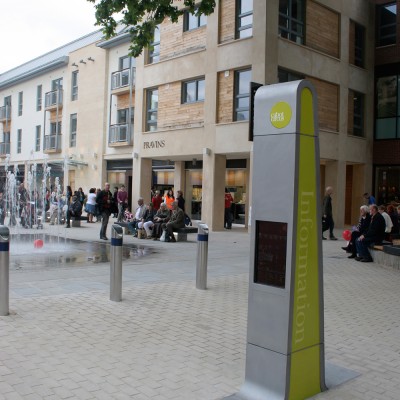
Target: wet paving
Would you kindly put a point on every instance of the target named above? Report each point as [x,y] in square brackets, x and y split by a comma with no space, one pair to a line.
[32,251]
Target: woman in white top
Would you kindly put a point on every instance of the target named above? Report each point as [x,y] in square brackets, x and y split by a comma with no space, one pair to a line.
[90,206]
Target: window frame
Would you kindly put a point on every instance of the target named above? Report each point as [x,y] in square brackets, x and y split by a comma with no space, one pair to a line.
[291,75]
[20,103]
[239,16]
[38,134]
[290,34]
[379,27]
[238,96]
[200,20]
[151,111]
[359,44]
[184,92]
[153,55]
[74,85]
[19,141]
[39,97]
[358,128]
[73,123]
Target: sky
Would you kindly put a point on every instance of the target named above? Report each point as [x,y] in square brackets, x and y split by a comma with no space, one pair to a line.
[30,28]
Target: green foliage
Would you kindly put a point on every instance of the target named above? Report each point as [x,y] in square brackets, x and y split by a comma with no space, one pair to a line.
[142,16]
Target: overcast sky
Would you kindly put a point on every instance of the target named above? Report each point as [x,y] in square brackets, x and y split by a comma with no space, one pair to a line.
[30,28]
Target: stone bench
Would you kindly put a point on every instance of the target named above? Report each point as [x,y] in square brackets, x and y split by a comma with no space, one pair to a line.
[387,254]
[76,221]
[180,234]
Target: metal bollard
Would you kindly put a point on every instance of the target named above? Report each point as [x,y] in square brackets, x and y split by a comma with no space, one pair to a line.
[4,270]
[116,263]
[202,256]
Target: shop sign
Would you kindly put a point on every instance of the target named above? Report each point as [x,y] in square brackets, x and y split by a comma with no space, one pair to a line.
[154,144]
[281,114]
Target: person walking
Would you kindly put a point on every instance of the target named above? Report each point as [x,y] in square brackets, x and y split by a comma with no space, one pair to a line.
[327,213]
[228,212]
[105,201]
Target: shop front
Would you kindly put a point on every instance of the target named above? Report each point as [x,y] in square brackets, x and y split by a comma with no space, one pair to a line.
[119,172]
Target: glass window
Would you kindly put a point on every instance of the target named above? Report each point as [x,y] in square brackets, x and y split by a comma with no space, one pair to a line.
[357,114]
[359,45]
[244,18]
[387,184]
[123,115]
[55,128]
[74,89]
[154,47]
[73,128]
[291,20]
[39,97]
[193,91]
[192,21]
[242,94]
[20,103]
[19,140]
[386,24]
[152,110]
[124,62]
[57,84]
[288,76]
[38,137]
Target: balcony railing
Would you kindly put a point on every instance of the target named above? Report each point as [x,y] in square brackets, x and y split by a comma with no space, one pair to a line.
[119,133]
[54,98]
[52,143]
[120,79]
[5,148]
[5,113]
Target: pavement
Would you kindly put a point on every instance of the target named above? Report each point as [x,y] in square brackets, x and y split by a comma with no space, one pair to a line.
[64,338]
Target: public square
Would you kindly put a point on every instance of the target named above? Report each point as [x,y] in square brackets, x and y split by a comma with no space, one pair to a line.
[64,338]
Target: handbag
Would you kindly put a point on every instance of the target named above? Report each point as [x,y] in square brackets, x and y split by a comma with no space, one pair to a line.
[163,237]
[141,234]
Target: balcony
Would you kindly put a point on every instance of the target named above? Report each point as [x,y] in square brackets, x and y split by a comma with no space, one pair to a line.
[119,135]
[52,143]
[4,148]
[5,113]
[123,79]
[54,99]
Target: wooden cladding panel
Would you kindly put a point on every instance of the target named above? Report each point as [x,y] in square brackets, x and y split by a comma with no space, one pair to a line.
[123,101]
[322,29]
[173,114]
[227,21]
[225,97]
[328,104]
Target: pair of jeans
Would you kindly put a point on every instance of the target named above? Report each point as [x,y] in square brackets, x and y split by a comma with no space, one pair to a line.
[362,247]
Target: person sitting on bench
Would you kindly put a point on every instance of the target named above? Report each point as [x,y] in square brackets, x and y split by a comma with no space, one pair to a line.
[74,210]
[176,221]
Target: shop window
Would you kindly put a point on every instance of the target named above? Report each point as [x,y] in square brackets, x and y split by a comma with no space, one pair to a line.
[193,91]
[291,20]
[242,95]
[387,125]
[244,18]
[192,21]
[387,184]
[151,110]
[386,16]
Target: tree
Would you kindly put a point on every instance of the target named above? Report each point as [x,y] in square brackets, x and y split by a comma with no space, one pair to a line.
[142,16]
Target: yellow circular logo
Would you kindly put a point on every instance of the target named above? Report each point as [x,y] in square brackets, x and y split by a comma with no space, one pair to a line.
[281,114]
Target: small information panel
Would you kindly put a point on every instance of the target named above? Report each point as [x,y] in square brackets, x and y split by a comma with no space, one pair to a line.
[270,257]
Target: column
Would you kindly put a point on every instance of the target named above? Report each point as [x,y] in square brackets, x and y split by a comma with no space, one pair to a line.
[179,176]
[212,209]
[141,181]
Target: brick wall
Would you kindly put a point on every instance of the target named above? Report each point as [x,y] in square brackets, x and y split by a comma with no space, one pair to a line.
[387,152]
[322,29]
[328,104]
[225,97]
[227,21]
[123,101]
[173,114]
[175,42]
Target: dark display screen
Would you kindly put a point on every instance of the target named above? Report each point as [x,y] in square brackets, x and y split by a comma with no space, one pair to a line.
[270,257]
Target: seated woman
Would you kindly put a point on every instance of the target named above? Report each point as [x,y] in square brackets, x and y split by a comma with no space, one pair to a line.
[362,227]
[162,216]
[147,220]
[392,212]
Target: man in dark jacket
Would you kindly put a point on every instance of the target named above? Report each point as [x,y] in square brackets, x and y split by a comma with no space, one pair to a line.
[327,213]
[374,235]
[176,221]
[105,202]
[74,210]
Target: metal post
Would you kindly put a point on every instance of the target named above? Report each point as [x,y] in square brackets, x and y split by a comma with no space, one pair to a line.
[202,256]
[116,263]
[4,270]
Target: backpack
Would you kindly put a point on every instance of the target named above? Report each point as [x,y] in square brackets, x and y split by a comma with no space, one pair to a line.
[188,221]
